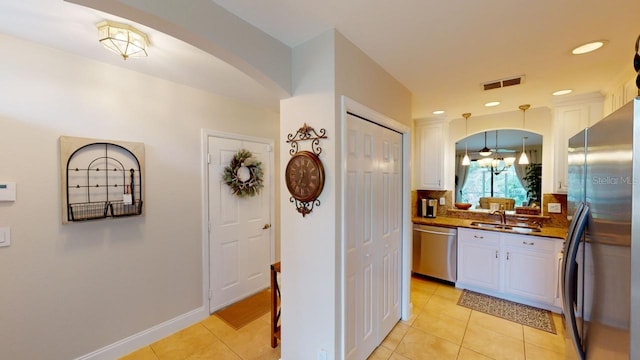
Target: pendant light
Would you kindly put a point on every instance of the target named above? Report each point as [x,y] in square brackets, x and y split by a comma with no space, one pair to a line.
[465,160]
[485,151]
[524,160]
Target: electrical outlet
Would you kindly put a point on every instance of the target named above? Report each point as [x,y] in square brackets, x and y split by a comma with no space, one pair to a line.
[442,202]
[554,208]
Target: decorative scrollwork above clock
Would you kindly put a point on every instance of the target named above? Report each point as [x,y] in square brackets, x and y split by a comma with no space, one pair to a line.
[304,174]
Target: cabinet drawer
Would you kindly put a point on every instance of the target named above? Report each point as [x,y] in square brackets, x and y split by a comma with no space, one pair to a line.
[470,234]
[529,242]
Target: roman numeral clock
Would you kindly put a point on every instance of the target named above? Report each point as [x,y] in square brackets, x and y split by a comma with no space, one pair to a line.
[304,174]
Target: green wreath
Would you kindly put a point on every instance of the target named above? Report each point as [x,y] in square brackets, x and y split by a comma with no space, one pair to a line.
[249,180]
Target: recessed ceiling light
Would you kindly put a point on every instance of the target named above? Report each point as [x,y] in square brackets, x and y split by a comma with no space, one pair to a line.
[492,103]
[562,92]
[587,48]
[438,112]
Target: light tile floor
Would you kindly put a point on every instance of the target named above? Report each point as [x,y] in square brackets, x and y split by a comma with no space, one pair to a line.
[438,329]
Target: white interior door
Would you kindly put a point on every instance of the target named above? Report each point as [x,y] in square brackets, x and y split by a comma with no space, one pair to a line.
[373,235]
[390,173]
[240,230]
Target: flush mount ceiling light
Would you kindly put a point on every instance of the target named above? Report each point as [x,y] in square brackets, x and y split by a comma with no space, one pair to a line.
[492,103]
[562,92]
[123,39]
[438,112]
[587,48]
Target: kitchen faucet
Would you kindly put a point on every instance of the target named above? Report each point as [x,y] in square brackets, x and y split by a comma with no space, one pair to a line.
[502,214]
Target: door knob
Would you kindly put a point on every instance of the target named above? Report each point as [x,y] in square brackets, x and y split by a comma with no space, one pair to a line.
[266,226]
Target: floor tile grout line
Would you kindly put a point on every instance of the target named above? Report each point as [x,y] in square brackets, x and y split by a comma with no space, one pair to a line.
[154,352]
[466,327]
[222,340]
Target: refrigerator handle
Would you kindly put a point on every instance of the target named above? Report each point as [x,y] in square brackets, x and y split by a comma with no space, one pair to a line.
[569,242]
[569,284]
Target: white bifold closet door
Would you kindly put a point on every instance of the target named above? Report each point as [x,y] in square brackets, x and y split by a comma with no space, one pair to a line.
[373,235]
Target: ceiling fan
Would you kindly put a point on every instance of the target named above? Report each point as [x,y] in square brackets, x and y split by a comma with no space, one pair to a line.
[485,151]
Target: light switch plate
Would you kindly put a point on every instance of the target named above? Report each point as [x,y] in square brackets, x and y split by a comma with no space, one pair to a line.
[7,191]
[5,236]
[554,208]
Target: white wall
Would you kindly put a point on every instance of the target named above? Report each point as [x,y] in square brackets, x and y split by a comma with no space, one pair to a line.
[538,120]
[324,69]
[67,290]
[309,244]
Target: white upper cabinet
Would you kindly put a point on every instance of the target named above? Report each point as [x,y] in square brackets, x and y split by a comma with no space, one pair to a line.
[429,149]
[570,117]
[620,95]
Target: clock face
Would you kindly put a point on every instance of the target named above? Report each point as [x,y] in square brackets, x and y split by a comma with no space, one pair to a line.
[305,176]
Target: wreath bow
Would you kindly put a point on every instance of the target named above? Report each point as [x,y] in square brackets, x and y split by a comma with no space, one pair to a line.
[244,174]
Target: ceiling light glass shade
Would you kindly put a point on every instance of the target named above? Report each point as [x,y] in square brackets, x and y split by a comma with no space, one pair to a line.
[587,48]
[509,161]
[492,103]
[524,160]
[465,160]
[438,112]
[122,39]
[485,151]
[486,162]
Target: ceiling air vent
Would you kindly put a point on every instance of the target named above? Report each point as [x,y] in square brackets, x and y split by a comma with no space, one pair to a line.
[503,83]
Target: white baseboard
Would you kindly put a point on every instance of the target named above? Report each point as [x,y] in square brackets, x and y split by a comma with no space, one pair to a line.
[148,336]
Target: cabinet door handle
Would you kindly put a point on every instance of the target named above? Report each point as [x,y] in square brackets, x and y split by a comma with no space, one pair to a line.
[507,255]
[478,237]
[528,243]
[496,254]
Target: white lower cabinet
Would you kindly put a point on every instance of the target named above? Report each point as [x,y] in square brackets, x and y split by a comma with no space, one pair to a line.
[515,267]
[478,258]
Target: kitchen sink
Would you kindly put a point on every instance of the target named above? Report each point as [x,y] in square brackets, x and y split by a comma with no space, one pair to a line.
[496,226]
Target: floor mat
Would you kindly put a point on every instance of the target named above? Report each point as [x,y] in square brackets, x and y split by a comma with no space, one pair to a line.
[509,310]
[245,311]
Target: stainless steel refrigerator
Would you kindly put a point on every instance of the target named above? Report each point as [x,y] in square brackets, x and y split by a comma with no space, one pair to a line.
[601,267]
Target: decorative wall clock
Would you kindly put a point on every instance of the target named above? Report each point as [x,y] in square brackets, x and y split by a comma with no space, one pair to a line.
[304,174]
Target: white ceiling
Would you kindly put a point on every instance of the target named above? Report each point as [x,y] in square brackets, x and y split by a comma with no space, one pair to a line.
[440,50]
[443,50]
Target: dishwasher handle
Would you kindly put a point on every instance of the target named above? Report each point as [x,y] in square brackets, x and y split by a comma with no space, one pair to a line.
[434,232]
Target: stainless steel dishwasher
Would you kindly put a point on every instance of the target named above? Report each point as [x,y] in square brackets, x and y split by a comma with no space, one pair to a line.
[435,251]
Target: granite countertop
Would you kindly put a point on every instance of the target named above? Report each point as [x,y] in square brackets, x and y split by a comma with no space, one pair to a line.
[453,222]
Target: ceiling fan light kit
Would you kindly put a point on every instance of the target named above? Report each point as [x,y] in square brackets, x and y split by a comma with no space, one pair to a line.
[485,151]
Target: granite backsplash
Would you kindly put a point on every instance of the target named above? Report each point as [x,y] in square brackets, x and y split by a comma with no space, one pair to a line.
[558,220]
